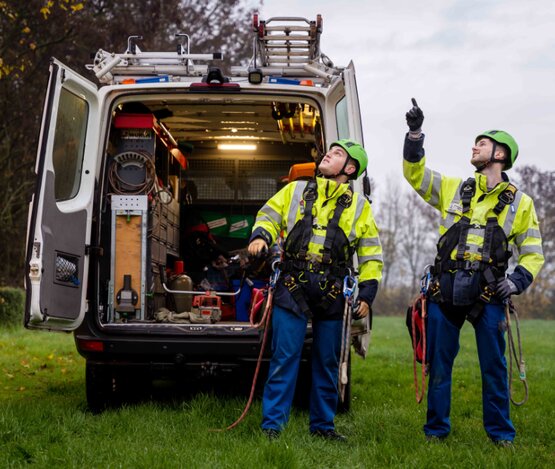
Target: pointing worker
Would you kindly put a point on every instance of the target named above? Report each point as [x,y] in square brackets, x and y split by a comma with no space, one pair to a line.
[481,218]
[324,224]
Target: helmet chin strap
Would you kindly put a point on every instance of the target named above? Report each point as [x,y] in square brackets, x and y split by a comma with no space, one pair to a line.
[341,172]
[491,159]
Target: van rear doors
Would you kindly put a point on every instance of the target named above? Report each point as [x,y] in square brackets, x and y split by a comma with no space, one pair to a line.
[60,214]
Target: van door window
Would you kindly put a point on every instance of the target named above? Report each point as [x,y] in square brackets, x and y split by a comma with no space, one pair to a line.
[69,144]
[342,119]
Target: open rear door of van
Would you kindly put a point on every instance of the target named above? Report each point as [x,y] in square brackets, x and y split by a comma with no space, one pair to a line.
[60,212]
[342,101]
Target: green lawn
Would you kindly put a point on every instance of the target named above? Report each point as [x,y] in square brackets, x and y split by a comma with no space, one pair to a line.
[44,420]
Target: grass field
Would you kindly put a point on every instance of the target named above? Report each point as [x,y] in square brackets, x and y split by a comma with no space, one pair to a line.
[44,421]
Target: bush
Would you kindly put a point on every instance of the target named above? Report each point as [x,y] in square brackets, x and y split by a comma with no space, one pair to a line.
[12,304]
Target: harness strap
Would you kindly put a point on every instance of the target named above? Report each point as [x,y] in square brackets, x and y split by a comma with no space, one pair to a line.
[310,194]
[339,269]
[505,198]
[291,283]
[333,292]
[343,202]
[468,190]
[488,239]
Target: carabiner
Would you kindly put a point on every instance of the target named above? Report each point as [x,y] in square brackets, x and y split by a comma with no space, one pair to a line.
[349,285]
[275,273]
[426,279]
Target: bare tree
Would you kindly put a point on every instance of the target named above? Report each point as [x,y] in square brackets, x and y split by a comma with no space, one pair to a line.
[539,300]
[417,238]
[389,221]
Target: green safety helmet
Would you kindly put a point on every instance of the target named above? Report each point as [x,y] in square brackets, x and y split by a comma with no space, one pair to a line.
[355,152]
[499,136]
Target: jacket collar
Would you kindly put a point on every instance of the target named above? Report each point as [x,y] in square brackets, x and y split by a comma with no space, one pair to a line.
[482,182]
[330,188]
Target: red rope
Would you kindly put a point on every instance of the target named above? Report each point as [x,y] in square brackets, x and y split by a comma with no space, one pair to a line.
[256,303]
[419,393]
[264,322]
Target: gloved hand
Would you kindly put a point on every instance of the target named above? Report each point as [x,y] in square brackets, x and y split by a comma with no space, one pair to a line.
[505,288]
[415,117]
[360,309]
[257,247]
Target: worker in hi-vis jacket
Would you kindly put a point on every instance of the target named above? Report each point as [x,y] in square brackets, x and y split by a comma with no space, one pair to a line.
[323,223]
[481,218]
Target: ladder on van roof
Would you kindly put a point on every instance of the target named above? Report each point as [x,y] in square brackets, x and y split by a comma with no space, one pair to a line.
[289,47]
[283,47]
[294,43]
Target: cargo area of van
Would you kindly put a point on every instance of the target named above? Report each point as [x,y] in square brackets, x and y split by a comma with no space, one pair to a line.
[183,179]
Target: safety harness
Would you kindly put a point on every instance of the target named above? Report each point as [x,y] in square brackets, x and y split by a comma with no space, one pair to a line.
[495,252]
[336,253]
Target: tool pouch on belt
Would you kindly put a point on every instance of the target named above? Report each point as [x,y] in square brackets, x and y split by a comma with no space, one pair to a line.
[466,287]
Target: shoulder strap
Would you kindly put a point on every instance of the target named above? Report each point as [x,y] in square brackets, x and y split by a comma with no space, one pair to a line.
[468,189]
[505,198]
[343,202]
[310,194]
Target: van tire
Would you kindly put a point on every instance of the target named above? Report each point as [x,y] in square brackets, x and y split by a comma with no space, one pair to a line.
[101,387]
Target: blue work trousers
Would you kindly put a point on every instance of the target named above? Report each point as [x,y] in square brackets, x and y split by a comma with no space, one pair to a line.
[288,336]
[442,348]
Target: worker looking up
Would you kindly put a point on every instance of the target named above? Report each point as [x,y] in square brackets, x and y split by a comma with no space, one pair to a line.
[324,224]
[480,218]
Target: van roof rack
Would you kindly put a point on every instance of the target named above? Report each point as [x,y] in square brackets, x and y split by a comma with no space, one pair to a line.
[282,47]
[289,47]
[111,68]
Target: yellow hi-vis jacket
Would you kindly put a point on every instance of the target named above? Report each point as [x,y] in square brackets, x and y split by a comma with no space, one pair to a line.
[279,215]
[518,220]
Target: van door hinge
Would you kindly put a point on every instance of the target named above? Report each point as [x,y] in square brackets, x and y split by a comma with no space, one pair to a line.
[94,250]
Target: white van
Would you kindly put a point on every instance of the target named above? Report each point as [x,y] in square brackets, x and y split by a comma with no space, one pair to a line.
[147,189]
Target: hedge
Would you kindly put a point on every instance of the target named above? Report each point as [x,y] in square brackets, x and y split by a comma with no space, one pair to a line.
[12,304]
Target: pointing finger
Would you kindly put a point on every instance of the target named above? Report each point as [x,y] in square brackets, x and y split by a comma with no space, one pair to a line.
[414,103]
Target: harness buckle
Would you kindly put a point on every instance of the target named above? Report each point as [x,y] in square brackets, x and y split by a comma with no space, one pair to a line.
[507,197]
[345,199]
[487,294]
[309,195]
[333,292]
[472,265]
[468,188]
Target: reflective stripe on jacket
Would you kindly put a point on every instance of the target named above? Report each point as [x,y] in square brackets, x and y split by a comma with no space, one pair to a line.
[285,208]
[518,220]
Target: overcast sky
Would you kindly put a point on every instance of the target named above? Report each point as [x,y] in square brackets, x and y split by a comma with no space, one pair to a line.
[472,65]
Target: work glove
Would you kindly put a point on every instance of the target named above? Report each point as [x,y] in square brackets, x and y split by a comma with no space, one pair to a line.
[505,288]
[360,309]
[257,247]
[415,117]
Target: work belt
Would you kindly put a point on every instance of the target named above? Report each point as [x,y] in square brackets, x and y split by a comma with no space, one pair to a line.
[328,270]
[475,266]
[331,286]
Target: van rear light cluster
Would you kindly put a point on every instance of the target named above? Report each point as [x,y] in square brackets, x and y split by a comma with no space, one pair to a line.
[88,345]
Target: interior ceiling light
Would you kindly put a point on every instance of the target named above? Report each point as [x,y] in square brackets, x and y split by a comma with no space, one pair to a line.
[237,146]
